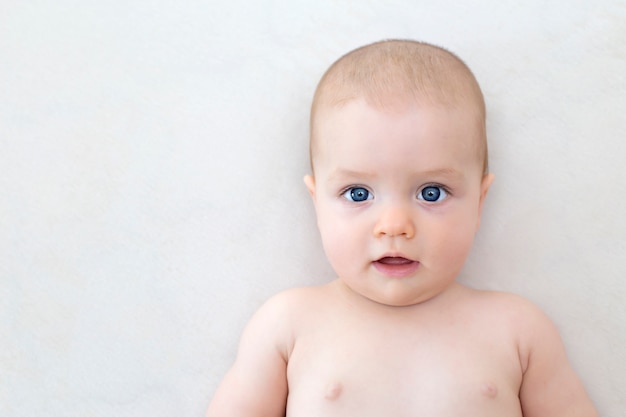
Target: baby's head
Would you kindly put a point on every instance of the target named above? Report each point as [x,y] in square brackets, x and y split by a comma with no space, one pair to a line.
[395,73]
[399,159]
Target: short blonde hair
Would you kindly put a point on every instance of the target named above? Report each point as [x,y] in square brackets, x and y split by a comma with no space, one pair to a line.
[385,72]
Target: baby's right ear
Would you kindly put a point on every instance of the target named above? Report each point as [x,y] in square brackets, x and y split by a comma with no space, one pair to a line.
[309,181]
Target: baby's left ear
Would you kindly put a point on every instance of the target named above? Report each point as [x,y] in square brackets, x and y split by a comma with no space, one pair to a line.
[309,181]
[484,188]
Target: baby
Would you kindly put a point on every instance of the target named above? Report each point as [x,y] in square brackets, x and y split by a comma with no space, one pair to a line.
[399,177]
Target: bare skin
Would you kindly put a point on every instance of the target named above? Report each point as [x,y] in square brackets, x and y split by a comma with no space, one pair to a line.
[327,351]
[398,194]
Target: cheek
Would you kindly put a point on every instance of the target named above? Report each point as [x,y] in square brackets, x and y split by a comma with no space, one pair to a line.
[332,233]
[451,238]
[340,238]
[336,250]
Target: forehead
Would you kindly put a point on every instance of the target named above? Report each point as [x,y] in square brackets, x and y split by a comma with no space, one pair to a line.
[405,131]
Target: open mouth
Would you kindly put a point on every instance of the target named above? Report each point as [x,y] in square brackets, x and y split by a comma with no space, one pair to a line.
[396,266]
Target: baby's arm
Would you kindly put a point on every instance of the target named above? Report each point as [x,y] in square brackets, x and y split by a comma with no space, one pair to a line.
[550,387]
[256,385]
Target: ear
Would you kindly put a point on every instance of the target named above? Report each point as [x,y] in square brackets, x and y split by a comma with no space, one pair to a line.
[309,181]
[484,188]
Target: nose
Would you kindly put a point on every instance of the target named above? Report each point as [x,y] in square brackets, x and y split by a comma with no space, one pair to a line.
[395,220]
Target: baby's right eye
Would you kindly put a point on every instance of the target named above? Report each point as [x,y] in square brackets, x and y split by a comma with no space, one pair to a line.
[358,194]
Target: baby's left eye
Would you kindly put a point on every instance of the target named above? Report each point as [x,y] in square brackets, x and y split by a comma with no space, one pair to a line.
[432,193]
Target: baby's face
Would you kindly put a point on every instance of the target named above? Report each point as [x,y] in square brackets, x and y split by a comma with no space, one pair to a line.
[398,195]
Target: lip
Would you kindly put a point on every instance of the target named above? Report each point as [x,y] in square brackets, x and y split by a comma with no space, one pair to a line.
[395,266]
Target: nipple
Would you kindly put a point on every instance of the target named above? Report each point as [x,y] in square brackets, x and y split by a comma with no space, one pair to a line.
[490,390]
[333,391]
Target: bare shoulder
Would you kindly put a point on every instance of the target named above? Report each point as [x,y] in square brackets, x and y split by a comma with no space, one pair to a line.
[526,317]
[549,384]
[514,317]
[498,299]
[294,303]
[256,384]
[521,311]
[300,295]
[283,314]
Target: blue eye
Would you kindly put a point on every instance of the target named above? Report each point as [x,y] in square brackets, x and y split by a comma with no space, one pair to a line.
[432,194]
[358,194]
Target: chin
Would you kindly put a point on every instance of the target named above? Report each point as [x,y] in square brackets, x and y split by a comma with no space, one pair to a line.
[404,298]
[399,301]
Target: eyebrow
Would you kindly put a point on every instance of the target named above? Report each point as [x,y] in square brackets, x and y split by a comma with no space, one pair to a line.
[440,172]
[341,173]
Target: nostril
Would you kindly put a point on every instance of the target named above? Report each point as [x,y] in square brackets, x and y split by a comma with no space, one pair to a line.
[395,219]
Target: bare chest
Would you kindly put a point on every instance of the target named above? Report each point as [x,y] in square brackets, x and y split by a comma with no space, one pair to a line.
[370,371]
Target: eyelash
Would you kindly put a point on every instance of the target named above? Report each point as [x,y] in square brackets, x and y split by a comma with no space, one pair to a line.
[344,193]
[349,190]
[444,189]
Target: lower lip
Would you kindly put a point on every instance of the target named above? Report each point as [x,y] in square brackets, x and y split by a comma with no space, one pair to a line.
[396,270]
